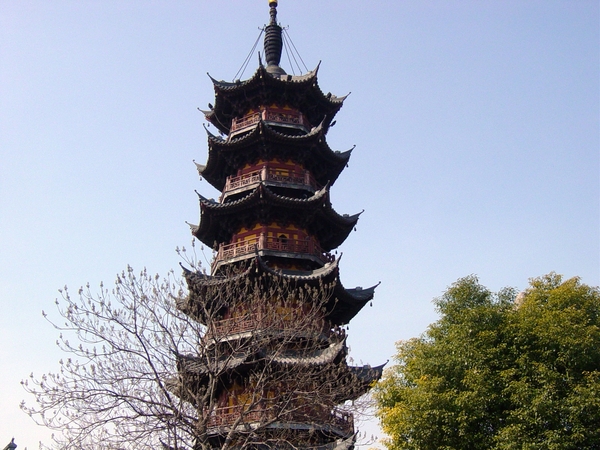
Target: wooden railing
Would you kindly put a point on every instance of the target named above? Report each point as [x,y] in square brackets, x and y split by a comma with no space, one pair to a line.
[270,321]
[223,417]
[303,178]
[267,114]
[263,242]
[248,120]
[228,416]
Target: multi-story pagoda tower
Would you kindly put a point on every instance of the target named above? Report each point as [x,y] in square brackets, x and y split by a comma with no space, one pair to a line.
[272,371]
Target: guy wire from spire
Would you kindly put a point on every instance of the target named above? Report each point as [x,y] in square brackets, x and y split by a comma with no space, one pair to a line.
[244,66]
[287,52]
[293,49]
[289,46]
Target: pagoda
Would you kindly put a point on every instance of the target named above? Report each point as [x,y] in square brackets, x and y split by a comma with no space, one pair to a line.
[271,371]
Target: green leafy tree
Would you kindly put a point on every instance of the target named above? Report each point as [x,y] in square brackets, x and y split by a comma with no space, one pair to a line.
[499,371]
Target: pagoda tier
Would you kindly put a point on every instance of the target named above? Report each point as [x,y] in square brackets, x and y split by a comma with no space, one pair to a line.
[349,383]
[235,100]
[285,377]
[219,222]
[205,300]
[264,142]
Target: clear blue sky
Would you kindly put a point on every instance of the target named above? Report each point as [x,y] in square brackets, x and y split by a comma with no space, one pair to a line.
[475,124]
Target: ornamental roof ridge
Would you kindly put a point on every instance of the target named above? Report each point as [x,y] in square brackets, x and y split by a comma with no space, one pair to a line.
[212,136]
[218,165]
[321,193]
[350,304]
[260,201]
[318,356]
[261,73]
[199,167]
[200,365]
[364,371]
[308,275]
[216,205]
[257,129]
[194,276]
[314,131]
[233,140]
[344,305]
[255,132]
[360,293]
[204,200]
[258,263]
[263,191]
[233,99]
[360,380]
[366,375]
[193,227]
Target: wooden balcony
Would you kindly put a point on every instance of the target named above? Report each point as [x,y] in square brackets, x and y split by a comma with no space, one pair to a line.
[275,116]
[339,420]
[226,417]
[221,329]
[287,248]
[299,179]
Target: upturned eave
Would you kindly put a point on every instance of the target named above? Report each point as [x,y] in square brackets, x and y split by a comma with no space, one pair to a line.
[219,221]
[205,291]
[311,150]
[234,99]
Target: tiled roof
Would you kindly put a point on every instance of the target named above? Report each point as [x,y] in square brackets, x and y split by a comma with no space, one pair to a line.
[302,92]
[264,142]
[202,365]
[219,221]
[341,307]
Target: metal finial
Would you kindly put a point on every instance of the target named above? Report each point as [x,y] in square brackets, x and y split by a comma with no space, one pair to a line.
[273,12]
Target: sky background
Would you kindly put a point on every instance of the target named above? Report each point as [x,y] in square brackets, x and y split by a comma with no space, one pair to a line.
[476,127]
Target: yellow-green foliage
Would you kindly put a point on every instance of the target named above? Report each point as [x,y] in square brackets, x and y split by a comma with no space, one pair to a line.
[493,373]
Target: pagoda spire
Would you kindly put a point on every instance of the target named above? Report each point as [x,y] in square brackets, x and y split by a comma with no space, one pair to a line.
[273,42]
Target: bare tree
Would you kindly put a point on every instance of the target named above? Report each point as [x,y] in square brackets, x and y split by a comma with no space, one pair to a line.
[121,347]
[148,367]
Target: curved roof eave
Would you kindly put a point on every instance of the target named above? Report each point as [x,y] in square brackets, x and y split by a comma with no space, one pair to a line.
[262,79]
[216,169]
[316,357]
[213,137]
[361,294]
[260,128]
[195,278]
[263,192]
[329,270]
[198,365]
[261,72]
[263,130]
[226,85]
[349,303]
[363,378]
[344,303]
[367,373]
[333,231]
